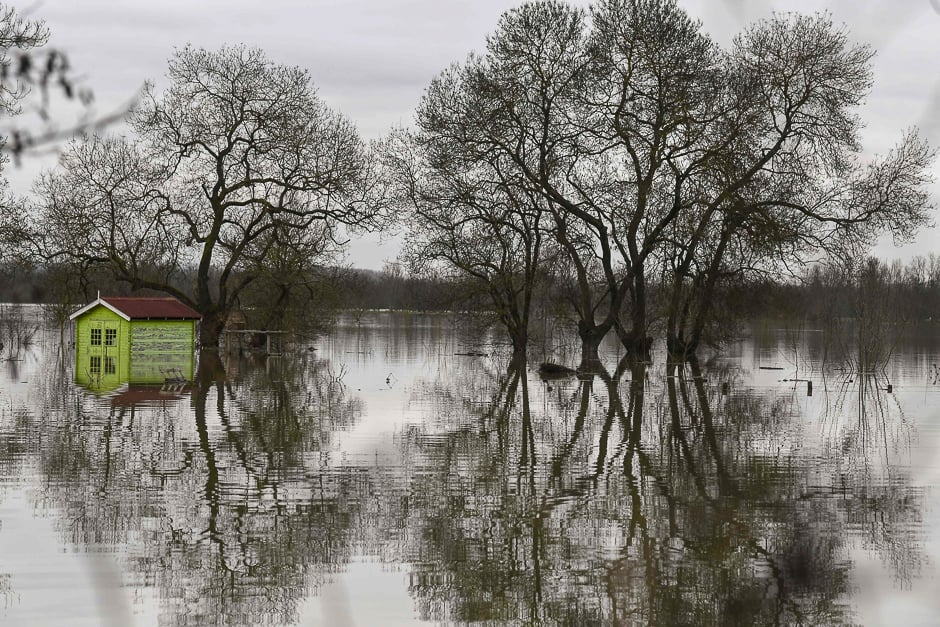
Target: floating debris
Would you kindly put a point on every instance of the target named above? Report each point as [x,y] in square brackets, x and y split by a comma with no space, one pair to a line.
[548,370]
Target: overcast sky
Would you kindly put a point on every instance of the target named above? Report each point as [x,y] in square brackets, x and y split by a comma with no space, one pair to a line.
[371,59]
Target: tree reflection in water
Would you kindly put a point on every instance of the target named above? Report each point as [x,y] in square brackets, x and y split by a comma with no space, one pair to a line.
[639,496]
[664,494]
[225,508]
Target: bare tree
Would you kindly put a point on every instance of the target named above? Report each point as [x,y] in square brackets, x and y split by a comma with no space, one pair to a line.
[516,108]
[34,76]
[603,123]
[236,149]
[653,112]
[659,154]
[784,182]
[298,274]
[469,219]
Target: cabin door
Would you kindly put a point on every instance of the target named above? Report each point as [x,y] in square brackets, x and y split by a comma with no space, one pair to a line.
[103,348]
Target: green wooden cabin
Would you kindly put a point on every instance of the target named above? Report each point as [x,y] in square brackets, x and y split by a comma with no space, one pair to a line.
[134,340]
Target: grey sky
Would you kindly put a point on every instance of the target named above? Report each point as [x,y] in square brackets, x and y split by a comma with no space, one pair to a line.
[371,59]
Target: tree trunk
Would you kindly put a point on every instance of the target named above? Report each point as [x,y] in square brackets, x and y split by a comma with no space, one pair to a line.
[639,346]
[677,346]
[520,340]
[680,349]
[704,295]
[636,341]
[210,329]
[591,337]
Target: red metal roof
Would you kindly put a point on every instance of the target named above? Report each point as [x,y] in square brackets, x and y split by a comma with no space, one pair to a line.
[139,307]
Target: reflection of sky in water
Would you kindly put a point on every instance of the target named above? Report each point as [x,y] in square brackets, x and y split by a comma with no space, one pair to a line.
[919,604]
[367,593]
[57,585]
[912,430]
[415,399]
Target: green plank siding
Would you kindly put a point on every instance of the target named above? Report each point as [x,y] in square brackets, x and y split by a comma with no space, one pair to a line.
[161,336]
[155,368]
[159,346]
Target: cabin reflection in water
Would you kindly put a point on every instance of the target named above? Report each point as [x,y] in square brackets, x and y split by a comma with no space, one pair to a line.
[137,395]
[134,340]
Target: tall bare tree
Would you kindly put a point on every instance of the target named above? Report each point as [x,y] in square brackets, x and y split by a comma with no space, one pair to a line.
[601,119]
[471,221]
[236,149]
[652,112]
[516,108]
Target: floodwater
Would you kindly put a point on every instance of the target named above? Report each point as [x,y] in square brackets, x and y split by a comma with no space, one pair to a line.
[384,476]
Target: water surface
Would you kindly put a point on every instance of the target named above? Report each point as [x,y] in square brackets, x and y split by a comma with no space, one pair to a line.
[383,475]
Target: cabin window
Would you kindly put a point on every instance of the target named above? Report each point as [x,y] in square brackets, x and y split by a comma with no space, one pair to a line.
[96,337]
[110,365]
[110,337]
[94,362]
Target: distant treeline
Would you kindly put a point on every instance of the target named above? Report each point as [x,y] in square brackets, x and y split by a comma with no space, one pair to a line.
[391,288]
[902,291]
[907,291]
[326,290]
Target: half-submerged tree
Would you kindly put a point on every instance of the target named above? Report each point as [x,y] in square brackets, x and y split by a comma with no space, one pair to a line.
[470,221]
[237,153]
[784,182]
[599,118]
[516,108]
[660,156]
